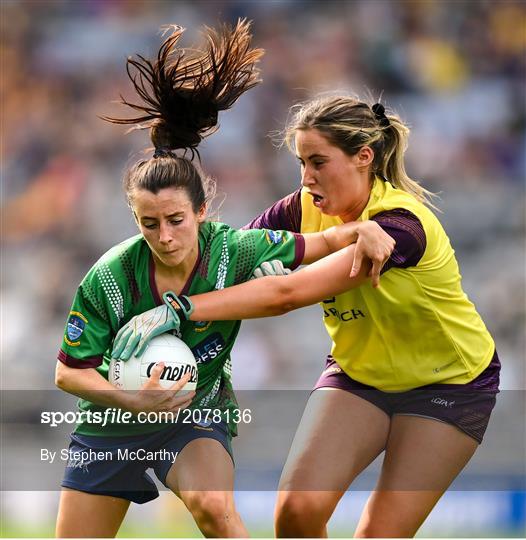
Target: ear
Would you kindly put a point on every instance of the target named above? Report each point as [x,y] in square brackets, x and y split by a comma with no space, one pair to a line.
[135,217]
[365,156]
[201,215]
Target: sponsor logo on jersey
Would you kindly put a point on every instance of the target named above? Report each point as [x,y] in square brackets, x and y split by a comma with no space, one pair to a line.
[209,349]
[274,237]
[74,328]
[344,316]
[201,326]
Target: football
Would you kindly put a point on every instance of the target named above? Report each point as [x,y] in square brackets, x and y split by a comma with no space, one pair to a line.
[177,357]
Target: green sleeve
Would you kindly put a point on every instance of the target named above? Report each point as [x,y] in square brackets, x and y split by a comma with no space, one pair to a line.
[252,247]
[93,320]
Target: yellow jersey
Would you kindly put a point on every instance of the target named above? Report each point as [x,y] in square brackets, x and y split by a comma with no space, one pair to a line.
[418,327]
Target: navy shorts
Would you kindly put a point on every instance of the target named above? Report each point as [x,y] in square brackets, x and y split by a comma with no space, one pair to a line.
[116,466]
[466,406]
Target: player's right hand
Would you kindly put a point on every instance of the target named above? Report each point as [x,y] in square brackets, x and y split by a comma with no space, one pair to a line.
[152,397]
[375,244]
[134,336]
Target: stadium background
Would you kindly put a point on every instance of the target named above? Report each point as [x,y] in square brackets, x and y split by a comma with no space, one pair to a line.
[454,69]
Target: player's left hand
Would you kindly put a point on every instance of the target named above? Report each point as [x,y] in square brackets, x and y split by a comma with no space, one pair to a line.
[134,336]
[375,244]
[270,268]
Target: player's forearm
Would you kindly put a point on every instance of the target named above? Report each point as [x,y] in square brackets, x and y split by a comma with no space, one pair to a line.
[341,236]
[263,297]
[276,295]
[89,384]
[316,247]
[319,245]
[257,298]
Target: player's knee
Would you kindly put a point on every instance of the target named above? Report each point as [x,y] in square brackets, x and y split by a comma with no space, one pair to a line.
[298,514]
[213,511]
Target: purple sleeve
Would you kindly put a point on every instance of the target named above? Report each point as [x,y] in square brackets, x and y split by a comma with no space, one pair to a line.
[284,215]
[70,361]
[408,234]
[300,251]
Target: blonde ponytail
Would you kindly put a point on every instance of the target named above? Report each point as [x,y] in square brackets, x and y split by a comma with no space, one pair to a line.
[350,124]
[392,165]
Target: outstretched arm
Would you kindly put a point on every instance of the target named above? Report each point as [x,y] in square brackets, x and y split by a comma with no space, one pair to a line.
[264,297]
[276,295]
[372,243]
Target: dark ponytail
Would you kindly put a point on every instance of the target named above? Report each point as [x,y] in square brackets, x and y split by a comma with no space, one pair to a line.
[182,92]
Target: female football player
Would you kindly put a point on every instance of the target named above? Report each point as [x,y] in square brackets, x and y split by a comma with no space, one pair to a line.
[413,371]
[176,250]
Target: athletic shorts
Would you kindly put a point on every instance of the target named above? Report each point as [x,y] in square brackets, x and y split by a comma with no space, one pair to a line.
[116,466]
[466,406]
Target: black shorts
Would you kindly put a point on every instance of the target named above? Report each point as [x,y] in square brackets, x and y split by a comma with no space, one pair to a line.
[116,466]
[466,406]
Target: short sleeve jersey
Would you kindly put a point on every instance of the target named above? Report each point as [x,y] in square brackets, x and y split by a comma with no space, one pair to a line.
[401,224]
[419,327]
[121,285]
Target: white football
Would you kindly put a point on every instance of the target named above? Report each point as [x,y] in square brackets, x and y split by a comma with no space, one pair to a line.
[177,357]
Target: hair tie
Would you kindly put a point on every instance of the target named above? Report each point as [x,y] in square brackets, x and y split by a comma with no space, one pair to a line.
[379,113]
[162,152]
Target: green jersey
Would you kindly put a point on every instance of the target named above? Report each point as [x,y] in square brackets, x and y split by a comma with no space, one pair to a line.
[121,285]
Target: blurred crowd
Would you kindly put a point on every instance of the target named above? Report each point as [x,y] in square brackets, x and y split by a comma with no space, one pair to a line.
[455,70]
